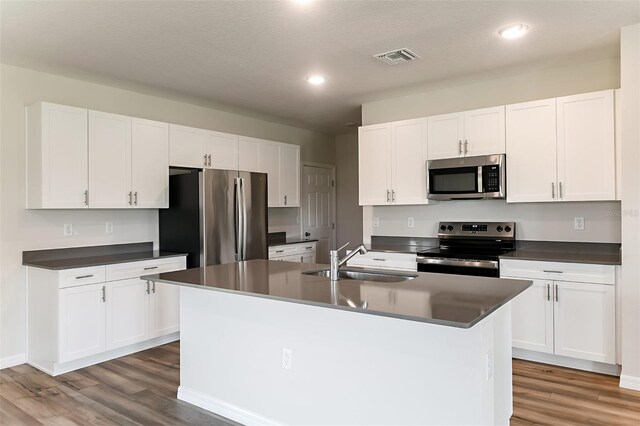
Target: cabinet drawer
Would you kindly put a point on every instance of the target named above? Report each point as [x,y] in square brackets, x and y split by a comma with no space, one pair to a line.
[306,248]
[81,276]
[123,271]
[279,251]
[558,271]
[384,260]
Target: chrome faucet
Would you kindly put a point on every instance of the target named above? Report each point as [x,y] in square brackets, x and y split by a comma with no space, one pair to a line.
[336,263]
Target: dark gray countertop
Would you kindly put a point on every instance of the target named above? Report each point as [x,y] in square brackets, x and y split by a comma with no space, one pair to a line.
[291,241]
[450,300]
[409,245]
[82,257]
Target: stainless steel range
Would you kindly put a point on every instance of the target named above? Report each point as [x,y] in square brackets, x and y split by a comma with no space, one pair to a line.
[469,248]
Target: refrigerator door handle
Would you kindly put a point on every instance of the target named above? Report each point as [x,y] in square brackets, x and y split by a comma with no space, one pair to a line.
[244,219]
[238,219]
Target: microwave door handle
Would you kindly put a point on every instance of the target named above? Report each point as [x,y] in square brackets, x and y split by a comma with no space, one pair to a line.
[480,188]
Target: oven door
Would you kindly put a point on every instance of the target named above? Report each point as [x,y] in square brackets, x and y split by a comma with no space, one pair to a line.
[478,268]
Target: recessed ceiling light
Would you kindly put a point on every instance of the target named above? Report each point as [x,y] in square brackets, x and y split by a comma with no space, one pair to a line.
[514,31]
[302,1]
[316,80]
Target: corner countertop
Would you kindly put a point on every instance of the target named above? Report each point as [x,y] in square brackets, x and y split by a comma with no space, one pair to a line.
[449,300]
[82,257]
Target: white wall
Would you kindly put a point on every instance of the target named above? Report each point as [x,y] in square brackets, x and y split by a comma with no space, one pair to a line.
[629,286]
[541,221]
[21,229]
[349,213]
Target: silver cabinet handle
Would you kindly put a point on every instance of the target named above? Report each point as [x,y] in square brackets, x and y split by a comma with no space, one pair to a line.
[560,190]
[279,251]
[205,160]
[556,285]
[465,147]
[388,196]
[552,272]
[553,190]
[153,289]
[380,260]
[135,198]
[130,195]
[393,195]
[79,277]
[308,248]
[86,198]
[104,294]
[148,288]
[150,267]
[301,259]
[209,160]
[285,200]
[548,292]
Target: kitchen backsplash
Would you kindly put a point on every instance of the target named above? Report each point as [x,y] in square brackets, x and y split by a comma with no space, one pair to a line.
[285,219]
[535,221]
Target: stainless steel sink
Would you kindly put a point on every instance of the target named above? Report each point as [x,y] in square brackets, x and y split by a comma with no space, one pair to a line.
[364,275]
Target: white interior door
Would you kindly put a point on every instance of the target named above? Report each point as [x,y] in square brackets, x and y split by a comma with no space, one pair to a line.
[317,208]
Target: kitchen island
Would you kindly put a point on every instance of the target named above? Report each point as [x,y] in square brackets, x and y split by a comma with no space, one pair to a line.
[264,342]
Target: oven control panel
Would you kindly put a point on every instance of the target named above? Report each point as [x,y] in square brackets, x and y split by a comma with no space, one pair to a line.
[505,230]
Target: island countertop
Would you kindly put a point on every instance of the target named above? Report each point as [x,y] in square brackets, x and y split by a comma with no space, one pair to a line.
[449,300]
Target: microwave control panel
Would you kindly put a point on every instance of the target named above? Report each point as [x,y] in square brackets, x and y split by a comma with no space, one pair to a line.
[491,178]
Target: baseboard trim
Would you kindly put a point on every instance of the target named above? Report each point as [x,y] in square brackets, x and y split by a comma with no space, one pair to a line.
[223,408]
[564,361]
[630,382]
[12,361]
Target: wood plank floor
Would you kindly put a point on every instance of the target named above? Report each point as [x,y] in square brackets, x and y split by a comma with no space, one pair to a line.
[140,389]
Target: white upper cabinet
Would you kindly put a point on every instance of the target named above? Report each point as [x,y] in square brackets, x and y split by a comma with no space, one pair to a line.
[269,163]
[149,164]
[374,164]
[57,163]
[531,151]
[221,150]
[249,154]
[290,175]
[562,149]
[392,163]
[586,147]
[446,134]
[484,132]
[408,159]
[109,160]
[476,132]
[186,146]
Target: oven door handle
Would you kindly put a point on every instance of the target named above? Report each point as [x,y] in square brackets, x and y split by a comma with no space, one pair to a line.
[487,264]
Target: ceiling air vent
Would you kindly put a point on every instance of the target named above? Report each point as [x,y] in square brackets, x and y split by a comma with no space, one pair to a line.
[396,57]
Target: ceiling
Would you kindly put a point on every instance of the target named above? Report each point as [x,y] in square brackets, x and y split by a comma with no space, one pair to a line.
[255,55]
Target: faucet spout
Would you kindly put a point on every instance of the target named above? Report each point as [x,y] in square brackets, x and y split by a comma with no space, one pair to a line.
[336,262]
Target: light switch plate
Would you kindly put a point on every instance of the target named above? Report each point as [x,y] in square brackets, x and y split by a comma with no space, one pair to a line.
[68,229]
[287,358]
[108,228]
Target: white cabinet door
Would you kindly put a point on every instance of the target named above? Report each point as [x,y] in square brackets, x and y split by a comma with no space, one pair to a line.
[531,151]
[81,321]
[223,149]
[164,309]
[409,155]
[446,133]
[584,317]
[127,319]
[57,160]
[186,146]
[249,154]
[269,161]
[532,318]
[309,258]
[374,164]
[586,147]
[290,175]
[109,160]
[150,164]
[484,132]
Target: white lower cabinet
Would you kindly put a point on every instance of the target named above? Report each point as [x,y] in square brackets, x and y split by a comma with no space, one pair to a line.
[81,322]
[79,317]
[385,260]
[303,252]
[569,310]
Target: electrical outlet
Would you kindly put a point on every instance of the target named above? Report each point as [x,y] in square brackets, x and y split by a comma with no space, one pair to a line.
[68,229]
[411,223]
[287,358]
[108,228]
[376,221]
[578,223]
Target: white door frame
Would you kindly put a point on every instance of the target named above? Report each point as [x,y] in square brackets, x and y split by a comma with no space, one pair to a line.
[332,243]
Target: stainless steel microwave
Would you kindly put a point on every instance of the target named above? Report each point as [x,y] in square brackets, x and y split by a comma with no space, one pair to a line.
[468,178]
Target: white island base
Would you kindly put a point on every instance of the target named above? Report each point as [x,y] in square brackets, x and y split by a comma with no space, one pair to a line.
[348,368]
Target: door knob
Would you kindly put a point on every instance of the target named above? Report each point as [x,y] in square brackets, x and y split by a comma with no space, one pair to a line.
[307,234]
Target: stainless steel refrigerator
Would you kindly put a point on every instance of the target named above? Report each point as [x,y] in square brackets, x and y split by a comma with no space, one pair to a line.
[215,216]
